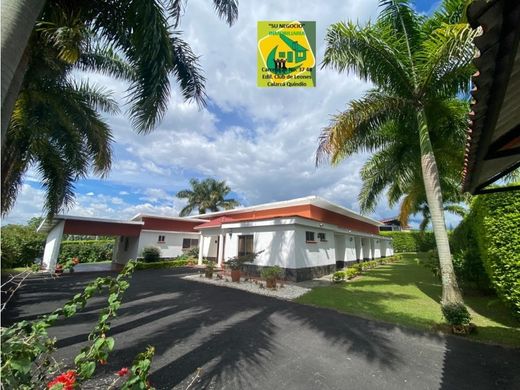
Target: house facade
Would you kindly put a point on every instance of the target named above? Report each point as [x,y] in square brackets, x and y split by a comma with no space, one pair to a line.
[307,237]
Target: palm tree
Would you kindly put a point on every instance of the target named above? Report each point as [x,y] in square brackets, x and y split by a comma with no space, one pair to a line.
[418,65]
[208,194]
[55,125]
[143,31]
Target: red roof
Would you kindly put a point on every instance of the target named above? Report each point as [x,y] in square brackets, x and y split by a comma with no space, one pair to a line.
[217,222]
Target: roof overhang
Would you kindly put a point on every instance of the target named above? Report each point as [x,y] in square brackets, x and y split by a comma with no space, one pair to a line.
[308,200]
[493,145]
[92,226]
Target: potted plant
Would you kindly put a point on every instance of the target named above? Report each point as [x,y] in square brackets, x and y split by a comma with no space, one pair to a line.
[208,271]
[458,317]
[271,274]
[235,264]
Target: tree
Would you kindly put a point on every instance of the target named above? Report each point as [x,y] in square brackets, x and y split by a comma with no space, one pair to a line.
[208,194]
[71,138]
[418,65]
[56,123]
[21,244]
[144,31]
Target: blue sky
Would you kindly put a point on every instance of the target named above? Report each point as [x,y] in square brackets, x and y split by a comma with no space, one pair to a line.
[261,141]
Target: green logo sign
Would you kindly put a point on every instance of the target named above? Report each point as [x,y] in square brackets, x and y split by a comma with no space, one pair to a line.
[286,54]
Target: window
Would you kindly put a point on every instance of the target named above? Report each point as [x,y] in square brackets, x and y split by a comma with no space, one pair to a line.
[245,245]
[189,243]
[309,236]
[322,237]
[161,239]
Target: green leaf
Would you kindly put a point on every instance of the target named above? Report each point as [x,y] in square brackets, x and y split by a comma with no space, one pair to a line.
[86,370]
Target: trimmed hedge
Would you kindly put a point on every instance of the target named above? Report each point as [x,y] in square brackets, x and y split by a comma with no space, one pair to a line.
[411,241]
[495,221]
[165,264]
[87,251]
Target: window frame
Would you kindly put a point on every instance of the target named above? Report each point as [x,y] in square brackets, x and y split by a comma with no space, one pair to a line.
[245,238]
[310,237]
[163,241]
[191,246]
[323,237]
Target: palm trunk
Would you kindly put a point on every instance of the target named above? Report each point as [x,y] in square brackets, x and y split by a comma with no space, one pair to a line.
[450,288]
[18,18]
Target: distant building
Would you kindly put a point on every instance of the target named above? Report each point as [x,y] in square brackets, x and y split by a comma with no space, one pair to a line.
[392,225]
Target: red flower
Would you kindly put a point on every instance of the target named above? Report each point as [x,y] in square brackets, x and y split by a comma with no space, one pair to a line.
[67,380]
[123,371]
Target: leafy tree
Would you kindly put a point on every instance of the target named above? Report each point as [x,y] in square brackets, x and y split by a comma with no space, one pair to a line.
[418,66]
[56,124]
[144,31]
[21,244]
[208,194]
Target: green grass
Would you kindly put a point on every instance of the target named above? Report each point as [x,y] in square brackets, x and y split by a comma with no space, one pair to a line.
[14,271]
[407,293]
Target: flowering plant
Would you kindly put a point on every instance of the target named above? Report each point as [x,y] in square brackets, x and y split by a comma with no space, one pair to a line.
[65,381]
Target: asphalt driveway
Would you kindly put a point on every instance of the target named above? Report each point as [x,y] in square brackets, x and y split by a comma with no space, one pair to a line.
[247,341]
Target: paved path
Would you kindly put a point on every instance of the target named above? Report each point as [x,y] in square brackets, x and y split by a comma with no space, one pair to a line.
[246,341]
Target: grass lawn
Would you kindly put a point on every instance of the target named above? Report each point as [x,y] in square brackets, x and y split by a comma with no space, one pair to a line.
[407,293]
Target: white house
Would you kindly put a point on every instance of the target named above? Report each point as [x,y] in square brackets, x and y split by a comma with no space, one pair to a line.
[307,237]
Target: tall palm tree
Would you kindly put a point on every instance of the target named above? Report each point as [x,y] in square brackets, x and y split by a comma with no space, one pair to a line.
[418,65]
[144,31]
[71,138]
[206,195]
[130,40]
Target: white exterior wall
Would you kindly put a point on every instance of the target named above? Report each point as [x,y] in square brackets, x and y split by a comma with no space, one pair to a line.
[172,246]
[350,251]
[276,242]
[52,246]
[377,248]
[316,254]
[125,248]
[359,251]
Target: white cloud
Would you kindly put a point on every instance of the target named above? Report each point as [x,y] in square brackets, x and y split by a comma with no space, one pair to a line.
[263,146]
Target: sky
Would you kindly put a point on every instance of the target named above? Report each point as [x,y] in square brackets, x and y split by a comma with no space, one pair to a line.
[261,141]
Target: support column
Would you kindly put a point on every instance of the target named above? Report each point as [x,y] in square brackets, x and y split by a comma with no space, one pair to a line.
[201,248]
[220,255]
[52,247]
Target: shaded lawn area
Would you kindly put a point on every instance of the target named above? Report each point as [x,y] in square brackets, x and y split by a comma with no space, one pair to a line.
[407,293]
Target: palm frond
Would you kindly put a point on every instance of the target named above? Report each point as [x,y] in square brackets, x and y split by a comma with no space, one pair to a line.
[358,128]
[370,53]
[448,49]
[227,10]
[186,69]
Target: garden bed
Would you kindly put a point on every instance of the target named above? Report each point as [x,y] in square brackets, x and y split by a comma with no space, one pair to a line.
[256,286]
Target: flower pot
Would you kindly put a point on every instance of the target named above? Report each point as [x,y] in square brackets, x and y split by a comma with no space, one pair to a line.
[235,275]
[270,283]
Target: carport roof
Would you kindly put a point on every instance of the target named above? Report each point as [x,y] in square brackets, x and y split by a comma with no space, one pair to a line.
[49,223]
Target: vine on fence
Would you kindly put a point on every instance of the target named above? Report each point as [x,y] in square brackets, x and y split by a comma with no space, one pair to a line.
[27,361]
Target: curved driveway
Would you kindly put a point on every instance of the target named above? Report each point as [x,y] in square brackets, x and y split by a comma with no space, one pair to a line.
[247,341]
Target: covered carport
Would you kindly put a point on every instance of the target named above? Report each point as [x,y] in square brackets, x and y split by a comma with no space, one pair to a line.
[126,232]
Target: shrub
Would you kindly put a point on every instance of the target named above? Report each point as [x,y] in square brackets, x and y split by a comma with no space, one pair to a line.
[411,241]
[338,276]
[87,251]
[271,272]
[151,254]
[492,228]
[351,273]
[456,314]
[21,245]
[193,252]
[163,264]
